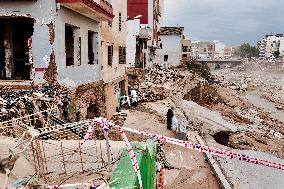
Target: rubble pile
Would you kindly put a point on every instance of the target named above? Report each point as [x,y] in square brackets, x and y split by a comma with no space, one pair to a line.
[14,104]
[153,88]
[159,75]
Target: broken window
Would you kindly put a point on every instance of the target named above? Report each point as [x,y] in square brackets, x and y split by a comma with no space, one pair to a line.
[72,46]
[15,34]
[122,55]
[69,45]
[166,57]
[119,25]
[93,47]
[110,54]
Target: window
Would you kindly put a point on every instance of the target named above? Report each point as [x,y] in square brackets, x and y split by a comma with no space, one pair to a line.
[122,55]
[91,47]
[166,57]
[110,54]
[69,45]
[119,21]
[72,45]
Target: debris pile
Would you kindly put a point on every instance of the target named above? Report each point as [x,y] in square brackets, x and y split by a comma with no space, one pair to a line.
[152,89]
[159,75]
[14,104]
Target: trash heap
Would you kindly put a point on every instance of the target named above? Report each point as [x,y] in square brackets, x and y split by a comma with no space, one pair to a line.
[14,104]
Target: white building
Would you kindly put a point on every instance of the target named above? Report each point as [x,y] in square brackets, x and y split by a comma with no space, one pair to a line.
[272,45]
[281,47]
[170,46]
[269,45]
[219,49]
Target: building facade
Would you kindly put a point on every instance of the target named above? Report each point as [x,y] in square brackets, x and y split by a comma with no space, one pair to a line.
[49,47]
[186,50]
[269,45]
[151,13]
[78,44]
[170,46]
[113,45]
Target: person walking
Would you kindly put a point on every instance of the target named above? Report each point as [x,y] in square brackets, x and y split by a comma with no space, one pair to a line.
[170,115]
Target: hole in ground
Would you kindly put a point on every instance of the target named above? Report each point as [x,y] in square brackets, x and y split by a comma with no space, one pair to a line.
[222,138]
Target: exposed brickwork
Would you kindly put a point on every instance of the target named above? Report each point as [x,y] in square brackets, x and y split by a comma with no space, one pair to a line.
[135,77]
[89,94]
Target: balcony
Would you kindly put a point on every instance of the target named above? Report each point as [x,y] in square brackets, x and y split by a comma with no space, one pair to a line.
[99,10]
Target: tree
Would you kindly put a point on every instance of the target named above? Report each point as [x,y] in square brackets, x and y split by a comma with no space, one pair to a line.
[247,51]
[276,54]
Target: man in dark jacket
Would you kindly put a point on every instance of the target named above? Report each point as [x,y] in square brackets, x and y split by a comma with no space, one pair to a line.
[170,114]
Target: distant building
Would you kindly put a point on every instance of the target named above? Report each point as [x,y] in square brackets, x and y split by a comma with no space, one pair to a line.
[219,49]
[281,47]
[186,49]
[269,45]
[170,46]
[201,50]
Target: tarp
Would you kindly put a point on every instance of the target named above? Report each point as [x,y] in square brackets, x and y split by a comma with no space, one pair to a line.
[124,175]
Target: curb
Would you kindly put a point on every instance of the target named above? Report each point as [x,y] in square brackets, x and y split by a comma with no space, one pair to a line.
[224,183]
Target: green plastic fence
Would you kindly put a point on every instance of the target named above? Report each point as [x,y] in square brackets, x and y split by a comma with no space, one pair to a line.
[124,176]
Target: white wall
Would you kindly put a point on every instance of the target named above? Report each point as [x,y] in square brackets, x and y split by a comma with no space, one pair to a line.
[219,49]
[77,74]
[171,46]
[281,48]
[44,13]
[133,28]
[272,45]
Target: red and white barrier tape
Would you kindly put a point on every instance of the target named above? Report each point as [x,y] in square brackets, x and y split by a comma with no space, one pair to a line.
[197,147]
[132,156]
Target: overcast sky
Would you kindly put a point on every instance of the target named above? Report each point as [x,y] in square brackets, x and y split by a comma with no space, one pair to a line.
[230,21]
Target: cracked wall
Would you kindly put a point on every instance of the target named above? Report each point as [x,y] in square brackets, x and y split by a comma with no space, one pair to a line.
[44,14]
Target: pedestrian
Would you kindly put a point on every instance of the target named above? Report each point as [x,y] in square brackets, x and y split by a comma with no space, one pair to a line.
[134,97]
[174,123]
[170,115]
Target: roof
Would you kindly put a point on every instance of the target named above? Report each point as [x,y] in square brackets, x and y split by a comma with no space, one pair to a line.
[171,31]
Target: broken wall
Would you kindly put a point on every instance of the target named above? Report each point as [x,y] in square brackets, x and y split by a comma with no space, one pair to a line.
[172,47]
[135,76]
[113,91]
[88,99]
[44,13]
[79,73]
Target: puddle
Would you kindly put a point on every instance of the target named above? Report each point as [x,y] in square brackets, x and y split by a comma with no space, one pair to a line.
[266,105]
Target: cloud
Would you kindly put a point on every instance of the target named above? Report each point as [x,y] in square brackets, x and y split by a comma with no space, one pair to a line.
[231,21]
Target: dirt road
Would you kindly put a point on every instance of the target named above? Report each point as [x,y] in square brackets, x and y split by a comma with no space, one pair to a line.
[191,170]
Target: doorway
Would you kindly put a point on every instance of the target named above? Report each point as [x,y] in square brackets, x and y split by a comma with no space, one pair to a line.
[15,34]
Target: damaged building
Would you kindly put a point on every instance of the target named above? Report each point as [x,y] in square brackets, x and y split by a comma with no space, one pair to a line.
[70,43]
[151,15]
[170,46]
[114,57]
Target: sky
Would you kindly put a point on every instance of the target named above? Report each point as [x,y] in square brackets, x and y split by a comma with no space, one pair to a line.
[233,22]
